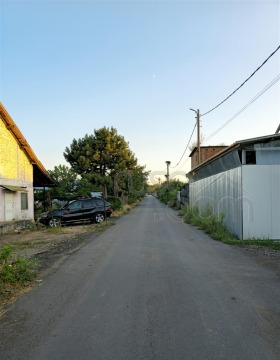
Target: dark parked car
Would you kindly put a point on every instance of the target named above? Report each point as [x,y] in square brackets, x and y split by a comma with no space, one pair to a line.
[92,209]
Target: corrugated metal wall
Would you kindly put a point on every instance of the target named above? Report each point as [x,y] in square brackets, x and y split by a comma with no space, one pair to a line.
[222,193]
[261,201]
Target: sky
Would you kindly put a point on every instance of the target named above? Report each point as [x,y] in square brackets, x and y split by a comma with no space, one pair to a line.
[69,67]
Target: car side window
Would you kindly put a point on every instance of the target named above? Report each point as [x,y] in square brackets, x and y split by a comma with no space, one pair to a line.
[88,203]
[99,202]
[75,205]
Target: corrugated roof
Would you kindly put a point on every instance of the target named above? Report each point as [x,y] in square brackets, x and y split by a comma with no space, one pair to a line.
[41,176]
[238,144]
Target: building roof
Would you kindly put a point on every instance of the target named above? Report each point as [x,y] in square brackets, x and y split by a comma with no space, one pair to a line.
[41,176]
[240,144]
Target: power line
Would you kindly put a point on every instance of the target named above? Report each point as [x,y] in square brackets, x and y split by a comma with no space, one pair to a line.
[268,86]
[243,82]
[185,148]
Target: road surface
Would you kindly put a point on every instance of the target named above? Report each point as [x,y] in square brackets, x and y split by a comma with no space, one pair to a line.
[150,287]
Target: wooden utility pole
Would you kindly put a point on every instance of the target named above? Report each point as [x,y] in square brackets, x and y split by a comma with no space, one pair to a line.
[198,135]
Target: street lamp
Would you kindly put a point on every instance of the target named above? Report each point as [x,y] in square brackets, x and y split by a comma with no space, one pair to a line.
[167,175]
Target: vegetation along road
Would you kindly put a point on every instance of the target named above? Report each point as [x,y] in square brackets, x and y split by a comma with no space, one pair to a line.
[150,287]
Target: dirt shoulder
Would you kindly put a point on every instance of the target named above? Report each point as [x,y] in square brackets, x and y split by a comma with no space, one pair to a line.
[48,246]
[28,243]
[265,256]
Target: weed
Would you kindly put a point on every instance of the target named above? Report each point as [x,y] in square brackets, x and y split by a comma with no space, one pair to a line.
[56,230]
[5,254]
[15,271]
[215,228]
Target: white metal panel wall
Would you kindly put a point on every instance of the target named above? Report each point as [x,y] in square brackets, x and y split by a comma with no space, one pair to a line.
[222,194]
[261,199]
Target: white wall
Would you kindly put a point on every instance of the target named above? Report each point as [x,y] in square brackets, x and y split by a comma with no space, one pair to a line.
[261,201]
[17,213]
[222,193]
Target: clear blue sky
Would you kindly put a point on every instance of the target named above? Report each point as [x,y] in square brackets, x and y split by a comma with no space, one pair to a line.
[69,67]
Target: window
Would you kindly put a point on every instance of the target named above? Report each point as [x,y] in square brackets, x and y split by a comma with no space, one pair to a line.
[75,205]
[99,202]
[250,157]
[24,201]
[88,203]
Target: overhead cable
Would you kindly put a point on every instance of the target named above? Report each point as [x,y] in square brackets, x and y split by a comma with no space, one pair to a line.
[242,83]
[268,86]
[185,148]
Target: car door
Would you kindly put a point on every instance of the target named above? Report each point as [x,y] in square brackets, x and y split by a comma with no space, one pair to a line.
[88,209]
[73,212]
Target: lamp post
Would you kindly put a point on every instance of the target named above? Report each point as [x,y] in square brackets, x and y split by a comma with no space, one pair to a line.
[167,174]
[159,180]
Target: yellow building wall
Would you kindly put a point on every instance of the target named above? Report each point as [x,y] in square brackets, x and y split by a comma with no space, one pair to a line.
[14,164]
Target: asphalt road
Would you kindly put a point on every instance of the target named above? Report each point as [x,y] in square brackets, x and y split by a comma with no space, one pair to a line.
[153,288]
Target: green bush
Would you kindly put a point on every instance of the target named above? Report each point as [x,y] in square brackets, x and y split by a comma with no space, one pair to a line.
[16,270]
[132,200]
[167,192]
[116,202]
[5,254]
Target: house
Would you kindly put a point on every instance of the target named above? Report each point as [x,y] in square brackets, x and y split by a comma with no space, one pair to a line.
[205,153]
[243,182]
[20,171]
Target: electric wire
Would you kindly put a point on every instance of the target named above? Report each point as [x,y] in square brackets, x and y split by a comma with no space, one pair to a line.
[268,86]
[242,83]
[185,149]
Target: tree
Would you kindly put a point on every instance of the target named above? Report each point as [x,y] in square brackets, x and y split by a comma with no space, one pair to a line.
[66,179]
[132,183]
[100,157]
[167,192]
[84,188]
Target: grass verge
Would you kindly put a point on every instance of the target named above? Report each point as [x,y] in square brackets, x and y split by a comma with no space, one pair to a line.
[125,209]
[214,227]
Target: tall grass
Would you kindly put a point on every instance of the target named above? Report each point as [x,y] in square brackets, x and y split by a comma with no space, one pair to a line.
[15,272]
[215,228]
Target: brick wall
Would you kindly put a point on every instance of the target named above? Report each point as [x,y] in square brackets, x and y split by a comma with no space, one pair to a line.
[15,170]
[205,153]
[14,164]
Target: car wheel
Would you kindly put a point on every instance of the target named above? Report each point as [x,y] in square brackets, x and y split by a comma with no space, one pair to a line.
[54,222]
[99,218]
